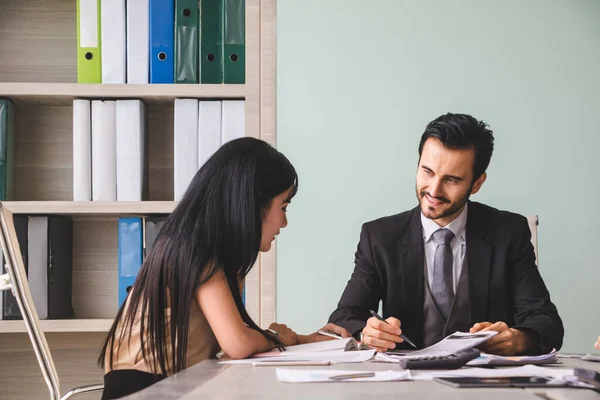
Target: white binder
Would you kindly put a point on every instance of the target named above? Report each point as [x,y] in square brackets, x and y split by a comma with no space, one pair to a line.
[233,120]
[130,149]
[209,130]
[82,150]
[104,150]
[138,41]
[112,17]
[185,145]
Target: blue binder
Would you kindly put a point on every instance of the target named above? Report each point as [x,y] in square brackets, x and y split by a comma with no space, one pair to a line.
[130,254]
[162,37]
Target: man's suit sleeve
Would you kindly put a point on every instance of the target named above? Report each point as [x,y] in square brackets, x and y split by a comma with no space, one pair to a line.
[363,290]
[534,311]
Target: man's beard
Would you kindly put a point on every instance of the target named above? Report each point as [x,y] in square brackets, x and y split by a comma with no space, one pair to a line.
[454,207]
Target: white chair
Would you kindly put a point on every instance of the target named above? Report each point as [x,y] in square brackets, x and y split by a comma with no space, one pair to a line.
[16,279]
[534,221]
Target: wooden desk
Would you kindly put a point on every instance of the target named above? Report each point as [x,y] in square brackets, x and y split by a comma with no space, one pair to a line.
[209,380]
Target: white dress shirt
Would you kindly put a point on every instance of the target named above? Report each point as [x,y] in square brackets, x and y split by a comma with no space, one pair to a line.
[459,244]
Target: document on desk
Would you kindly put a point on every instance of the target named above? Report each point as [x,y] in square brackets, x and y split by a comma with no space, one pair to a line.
[331,375]
[451,344]
[584,357]
[525,370]
[348,344]
[492,359]
[334,356]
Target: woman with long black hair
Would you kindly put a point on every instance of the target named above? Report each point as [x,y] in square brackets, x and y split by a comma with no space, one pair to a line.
[186,303]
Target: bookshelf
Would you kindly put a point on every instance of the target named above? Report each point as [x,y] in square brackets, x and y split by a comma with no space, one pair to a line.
[38,72]
[77,208]
[57,94]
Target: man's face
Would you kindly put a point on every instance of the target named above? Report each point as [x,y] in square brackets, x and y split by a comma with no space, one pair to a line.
[445,181]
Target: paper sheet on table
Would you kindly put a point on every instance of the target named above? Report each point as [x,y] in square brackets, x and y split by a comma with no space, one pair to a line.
[451,344]
[331,356]
[526,370]
[348,344]
[322,375]
[492,359]
[585,357]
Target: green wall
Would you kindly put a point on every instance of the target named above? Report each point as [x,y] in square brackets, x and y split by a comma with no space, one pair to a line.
[358,81]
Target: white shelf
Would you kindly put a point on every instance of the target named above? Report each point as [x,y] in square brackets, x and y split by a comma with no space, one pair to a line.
[64,93]
[90,208]
[60,325]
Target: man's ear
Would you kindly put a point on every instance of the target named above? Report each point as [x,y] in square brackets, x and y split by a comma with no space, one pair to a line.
[477,184]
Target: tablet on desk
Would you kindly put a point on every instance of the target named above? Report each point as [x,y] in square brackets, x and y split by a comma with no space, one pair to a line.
[521,382]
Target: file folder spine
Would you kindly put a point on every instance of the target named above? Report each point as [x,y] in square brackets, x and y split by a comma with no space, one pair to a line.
[186,41]
[130,254]
[138,37]
[89,60]
[211,41]
[234,39]
[161,41]
[7,150]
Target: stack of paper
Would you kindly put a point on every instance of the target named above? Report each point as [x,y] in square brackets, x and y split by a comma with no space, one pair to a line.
[333,357]
[491,359]
[348,344]
[584,357]
[334,351]
[451,344]
[325,375]
[526,370]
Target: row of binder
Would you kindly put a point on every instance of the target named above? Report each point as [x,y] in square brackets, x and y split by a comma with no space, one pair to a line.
[136,240]
[108,145]
[161,41]
[7,150]
[46,244]
[137,236]
[200,128]
[109,141]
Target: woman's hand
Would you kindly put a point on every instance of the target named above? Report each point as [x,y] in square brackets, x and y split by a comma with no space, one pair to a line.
[287,336]
[597,345]
[316,337]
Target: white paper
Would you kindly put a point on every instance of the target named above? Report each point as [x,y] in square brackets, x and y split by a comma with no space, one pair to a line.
[335,356]
[492,359]
[348,344]
[525,370]
[323,375]
[586,357]
[451,344]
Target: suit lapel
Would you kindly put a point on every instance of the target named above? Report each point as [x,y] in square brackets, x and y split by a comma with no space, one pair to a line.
[479,255]
[412,259]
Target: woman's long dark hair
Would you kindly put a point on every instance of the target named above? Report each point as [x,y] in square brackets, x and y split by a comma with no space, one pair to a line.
[217,225]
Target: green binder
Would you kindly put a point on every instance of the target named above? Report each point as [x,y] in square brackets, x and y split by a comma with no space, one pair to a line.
[211,41]
[234,38]
[7,150]
[89,64]
[186,41]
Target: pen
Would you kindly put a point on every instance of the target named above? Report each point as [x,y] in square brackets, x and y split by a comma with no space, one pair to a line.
[352,376]
[330,334]
[401,335]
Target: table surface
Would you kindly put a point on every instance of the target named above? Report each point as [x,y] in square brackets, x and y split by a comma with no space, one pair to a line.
[210,380]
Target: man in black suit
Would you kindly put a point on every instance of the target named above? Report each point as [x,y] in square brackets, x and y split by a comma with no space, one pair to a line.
[450,264]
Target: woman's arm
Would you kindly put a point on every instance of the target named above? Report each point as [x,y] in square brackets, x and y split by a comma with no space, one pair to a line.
[234,337]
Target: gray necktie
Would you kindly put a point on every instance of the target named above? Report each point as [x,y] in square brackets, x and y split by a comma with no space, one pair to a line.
[442,286]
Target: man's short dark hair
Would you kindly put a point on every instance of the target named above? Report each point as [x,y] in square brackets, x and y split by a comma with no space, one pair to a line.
[460,132]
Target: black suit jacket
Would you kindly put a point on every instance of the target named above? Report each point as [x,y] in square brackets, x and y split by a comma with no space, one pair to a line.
[504,282]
